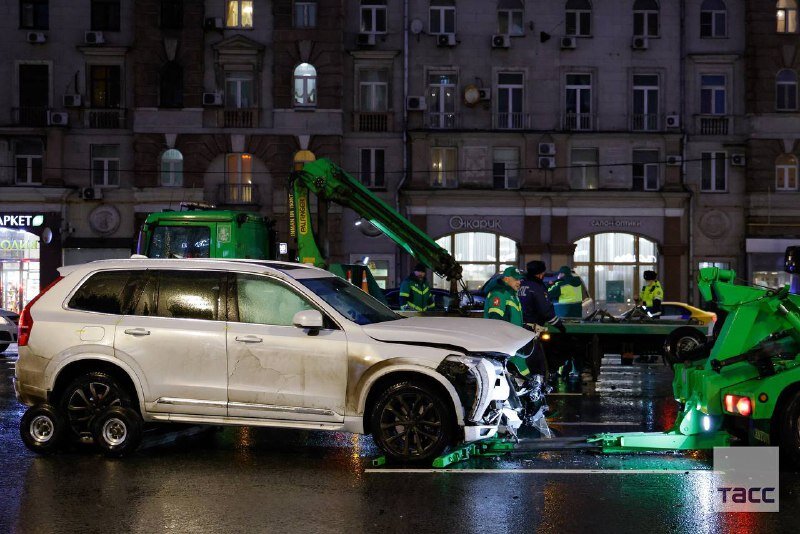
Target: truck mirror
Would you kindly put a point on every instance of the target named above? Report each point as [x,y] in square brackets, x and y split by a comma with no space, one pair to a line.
[310,319]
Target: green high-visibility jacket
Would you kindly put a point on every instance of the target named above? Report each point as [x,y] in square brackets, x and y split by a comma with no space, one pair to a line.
[503,303]
[415,294]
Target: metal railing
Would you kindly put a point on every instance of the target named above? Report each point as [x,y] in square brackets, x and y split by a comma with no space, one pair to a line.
[372,121]
[30,115]
[645,122]
[577,121]
[238,194]
[511,121]
[238,118]
[445,121]
[104,118]
[713,124]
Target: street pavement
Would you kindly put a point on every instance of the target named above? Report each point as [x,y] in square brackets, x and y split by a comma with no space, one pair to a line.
[260,480]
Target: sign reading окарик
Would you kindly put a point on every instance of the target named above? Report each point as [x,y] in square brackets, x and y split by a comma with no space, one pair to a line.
[16,221]
[474,223]
[616,223]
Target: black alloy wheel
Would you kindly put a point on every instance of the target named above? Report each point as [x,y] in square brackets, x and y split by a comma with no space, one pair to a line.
[411,422]
[88,397]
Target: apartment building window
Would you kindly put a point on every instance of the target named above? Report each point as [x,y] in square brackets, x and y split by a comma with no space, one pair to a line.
[33,94]
[373,90]
[578,106]
[305,85]
[712,94]
[509,17]
[105,86]
[372,168]
[238,90]
[34,14]
[713,19]
[645,18]
[786,90]
[171,14]
[105,15]
[442,96]
[373,16]
[171,86]
[239,178]
[714,172]
[786,15]
[645,102]
[105,165]
[646,170]
[584,168]
[239,14]
[509,101]
[443,167]
[786,173]
[442,17]
[28,162]
[305,14]
[579,18]
[505,168]
[172,168]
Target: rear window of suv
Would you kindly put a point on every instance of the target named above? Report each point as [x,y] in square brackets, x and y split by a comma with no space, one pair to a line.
[103,292]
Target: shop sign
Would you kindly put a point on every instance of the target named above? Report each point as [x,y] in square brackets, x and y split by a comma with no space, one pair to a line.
[616,223]
[18,244]
[21,220]
[474,223]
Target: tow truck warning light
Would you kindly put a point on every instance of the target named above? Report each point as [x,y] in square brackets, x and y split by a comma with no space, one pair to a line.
[736,404]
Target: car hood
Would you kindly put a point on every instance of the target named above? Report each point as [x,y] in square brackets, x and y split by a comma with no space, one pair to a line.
[471,335]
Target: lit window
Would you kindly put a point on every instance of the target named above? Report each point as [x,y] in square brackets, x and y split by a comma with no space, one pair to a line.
[714,172]
[443,167]
[373,16]
[509,17]
[28,154]
[786,13]
[646,170]
[505,168]
[481,254]
[239,14]
[442,17]
[372,168]
[442,94]
[584,170]
[645,18]
[713,18]
[172,168]
[239,178]
[786,173]
[105,165]
[786,90]
[305,14]
[305,85]
[579,18]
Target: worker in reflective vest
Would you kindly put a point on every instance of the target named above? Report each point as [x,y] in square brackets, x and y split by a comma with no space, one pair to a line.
[652,294]
[567,292]
[415,293]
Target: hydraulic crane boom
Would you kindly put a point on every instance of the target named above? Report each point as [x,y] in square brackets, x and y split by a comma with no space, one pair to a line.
[330,182]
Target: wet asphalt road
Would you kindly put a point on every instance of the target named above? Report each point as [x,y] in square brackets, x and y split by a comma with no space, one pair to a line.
[257,480]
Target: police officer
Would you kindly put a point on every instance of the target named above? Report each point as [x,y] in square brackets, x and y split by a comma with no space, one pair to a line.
[567,292]
[415,293]
[536,305]
[652,294]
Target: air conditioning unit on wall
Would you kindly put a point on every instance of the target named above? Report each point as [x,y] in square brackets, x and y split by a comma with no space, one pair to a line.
[547,149]
[365,39]
[212,99]
[639,43]
[547,162]
[484,94]
[37,37]
[415,103]
[91,193]
[501,41]
[57,118]
[72,101]
[446,39]
[673,121]
[738,160]
[94,38]
[569,43]
[674,160]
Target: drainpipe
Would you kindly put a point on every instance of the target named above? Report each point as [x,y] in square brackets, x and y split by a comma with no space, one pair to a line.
[684,137]
[397,262]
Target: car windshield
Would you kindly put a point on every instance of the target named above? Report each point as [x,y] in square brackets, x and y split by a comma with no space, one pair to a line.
[350,301]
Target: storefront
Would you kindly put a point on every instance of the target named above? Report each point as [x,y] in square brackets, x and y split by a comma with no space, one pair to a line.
[765,261]
[30,254]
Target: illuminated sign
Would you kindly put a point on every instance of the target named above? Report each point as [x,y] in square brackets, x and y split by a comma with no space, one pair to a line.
[21,220]
[472,223]
[616,223]
[18,244]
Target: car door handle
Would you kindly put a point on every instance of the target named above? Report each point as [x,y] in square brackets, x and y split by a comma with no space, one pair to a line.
[249,339]
[137,332]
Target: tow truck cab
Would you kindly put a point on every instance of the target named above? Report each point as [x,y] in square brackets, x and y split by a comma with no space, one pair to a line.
[207,233]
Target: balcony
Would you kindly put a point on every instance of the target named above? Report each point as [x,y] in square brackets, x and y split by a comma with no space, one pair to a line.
[30,116]
[645,122]
[104,118]
[372,121]
[238,195]
[577,122]
[712,124]
[238,118]
[442,121]
[511,121]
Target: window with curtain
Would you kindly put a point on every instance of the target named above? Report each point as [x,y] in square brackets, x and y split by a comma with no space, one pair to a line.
[105,165]
[509,17]
[714,172]
[786,172]
[443,167]
[583,168]
[373,89]
[305,13]
[373,16]
[786,16]
[481,254]
[239,14]
[305,85]
[172,168]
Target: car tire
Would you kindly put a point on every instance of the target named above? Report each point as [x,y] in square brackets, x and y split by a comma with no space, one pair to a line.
[87,397]
[3,347]
[42,429]
[117,432]
[684,344]
[426,435]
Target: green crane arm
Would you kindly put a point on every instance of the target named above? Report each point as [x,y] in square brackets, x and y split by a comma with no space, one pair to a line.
[330,182]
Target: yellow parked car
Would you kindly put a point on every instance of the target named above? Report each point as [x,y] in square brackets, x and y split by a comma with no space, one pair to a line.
[679,310]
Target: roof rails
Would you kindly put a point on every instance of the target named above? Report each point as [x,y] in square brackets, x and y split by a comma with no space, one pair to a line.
[193,206]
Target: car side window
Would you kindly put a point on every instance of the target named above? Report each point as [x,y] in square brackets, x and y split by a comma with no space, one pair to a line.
[103,292]
[186,295]
[264,301]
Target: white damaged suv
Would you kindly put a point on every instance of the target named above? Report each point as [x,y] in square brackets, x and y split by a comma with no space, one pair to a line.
[116,343]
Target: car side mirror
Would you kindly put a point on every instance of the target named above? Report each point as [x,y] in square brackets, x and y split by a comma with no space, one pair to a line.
[308,319]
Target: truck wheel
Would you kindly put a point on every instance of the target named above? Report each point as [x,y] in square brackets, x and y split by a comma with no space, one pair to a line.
[87,397]
[411,422]
[117,431]
[683,344]
[42,429]
[789,438]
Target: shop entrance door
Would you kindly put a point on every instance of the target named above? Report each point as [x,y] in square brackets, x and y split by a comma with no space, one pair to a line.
[19,268]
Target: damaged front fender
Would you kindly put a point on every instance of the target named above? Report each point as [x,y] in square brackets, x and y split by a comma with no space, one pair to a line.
[479,382]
